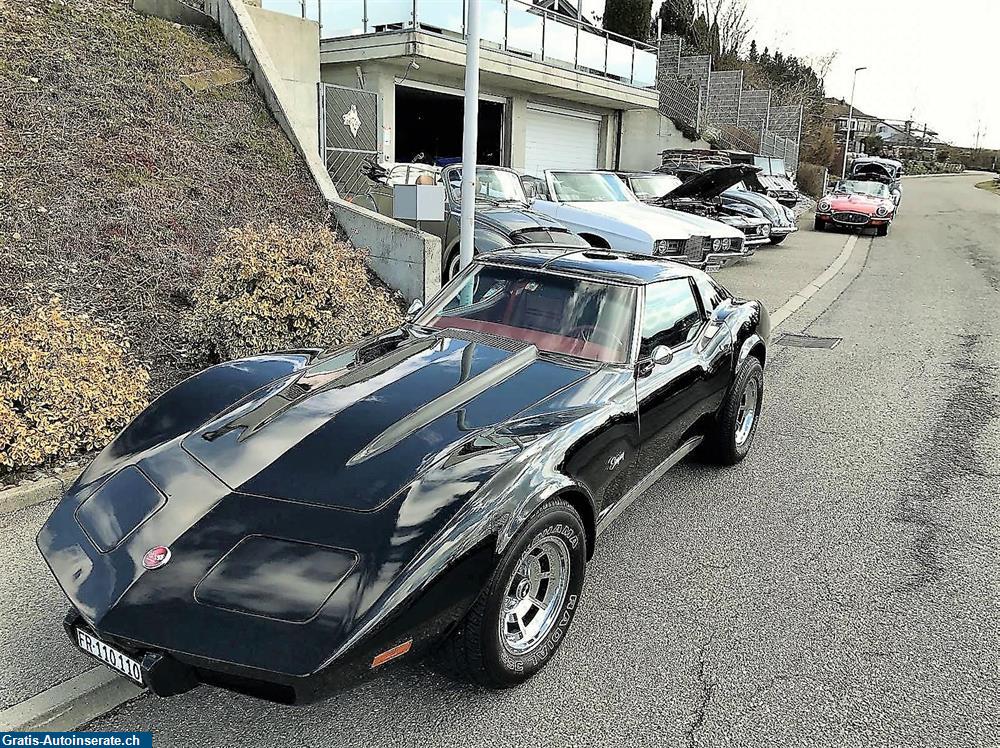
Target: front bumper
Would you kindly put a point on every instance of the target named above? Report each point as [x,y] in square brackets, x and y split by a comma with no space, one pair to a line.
[855,221]
[783,230]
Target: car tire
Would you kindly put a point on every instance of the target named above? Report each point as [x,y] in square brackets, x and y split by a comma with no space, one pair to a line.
[488,647]
[451,264]
[776,240]
[818,225]
[731,435]
[882,230]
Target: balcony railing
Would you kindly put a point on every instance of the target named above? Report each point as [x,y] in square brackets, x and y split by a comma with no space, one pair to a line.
[514,26]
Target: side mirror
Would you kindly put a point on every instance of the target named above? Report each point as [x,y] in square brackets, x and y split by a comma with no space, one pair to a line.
[530,190]
[414,309]
[661,355]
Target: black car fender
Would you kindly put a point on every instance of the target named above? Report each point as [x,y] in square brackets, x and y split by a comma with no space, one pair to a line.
[193,401]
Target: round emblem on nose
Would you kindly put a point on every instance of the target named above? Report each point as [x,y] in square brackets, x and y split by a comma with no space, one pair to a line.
[156,557]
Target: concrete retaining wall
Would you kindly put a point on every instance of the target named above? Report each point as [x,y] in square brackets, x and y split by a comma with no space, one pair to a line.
[644,135]
[173,10]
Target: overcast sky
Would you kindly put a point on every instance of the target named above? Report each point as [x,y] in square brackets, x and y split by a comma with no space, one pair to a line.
[922,56]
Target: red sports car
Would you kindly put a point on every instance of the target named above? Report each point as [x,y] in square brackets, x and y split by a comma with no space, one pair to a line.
[857,205]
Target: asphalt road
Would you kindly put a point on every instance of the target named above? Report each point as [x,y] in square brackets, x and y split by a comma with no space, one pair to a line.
[839,587]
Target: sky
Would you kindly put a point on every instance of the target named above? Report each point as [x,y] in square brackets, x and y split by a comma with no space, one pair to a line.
[923,56]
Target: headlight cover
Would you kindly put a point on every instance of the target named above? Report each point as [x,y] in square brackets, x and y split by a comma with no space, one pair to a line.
[881,211]
[824,206]
[716,245]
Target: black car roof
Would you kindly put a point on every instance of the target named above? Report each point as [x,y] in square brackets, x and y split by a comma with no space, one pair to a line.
[601,264]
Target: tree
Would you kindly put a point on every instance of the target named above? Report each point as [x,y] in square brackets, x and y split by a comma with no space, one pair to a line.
[714,27]
[629,18]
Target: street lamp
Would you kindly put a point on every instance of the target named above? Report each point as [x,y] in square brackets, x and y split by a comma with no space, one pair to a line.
[850,116]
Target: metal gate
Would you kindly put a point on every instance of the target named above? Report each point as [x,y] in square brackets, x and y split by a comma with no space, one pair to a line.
[348,134]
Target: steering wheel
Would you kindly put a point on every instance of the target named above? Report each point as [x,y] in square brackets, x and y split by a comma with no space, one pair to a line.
[589,332]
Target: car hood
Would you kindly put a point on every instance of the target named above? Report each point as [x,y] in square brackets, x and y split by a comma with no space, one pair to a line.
[513,218]
[857,203]
[661,223]
[351,438]
[713,181]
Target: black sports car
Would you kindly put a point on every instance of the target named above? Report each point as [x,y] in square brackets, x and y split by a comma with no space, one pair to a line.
[290,523]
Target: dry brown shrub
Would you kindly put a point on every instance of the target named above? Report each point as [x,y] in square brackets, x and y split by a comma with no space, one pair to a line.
[271,287]
[66,386]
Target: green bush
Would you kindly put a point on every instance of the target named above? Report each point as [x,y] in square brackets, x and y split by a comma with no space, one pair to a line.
[66,386]
[271,288]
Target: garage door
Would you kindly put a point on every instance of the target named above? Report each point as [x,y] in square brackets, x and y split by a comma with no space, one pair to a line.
[560,139]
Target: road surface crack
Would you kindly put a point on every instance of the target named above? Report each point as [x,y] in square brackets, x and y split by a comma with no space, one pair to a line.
[706,690]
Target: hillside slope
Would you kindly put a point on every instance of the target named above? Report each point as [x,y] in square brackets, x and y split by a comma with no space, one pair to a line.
[116,180]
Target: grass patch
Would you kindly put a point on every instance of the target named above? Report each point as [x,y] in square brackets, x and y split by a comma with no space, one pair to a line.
[990,185]
[116,182]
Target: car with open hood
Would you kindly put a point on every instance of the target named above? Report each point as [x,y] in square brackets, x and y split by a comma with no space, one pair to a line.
[503,217]
[701,193]
[599,207]
[857,204]
[885,170]
[292,523]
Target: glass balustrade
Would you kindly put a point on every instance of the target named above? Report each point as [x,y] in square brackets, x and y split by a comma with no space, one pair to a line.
[518,26]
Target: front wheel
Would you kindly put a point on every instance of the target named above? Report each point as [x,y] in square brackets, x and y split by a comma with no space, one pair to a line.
[776,240]
[524,612]
[819,225]
[731,435]
[451,265]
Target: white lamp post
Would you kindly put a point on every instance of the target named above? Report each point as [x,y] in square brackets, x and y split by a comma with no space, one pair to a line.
[470,135]
[850,116]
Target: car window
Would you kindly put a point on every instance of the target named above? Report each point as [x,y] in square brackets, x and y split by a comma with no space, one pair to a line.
[651,187]
[556,313]
[671,316]
[712,294]
[590,187]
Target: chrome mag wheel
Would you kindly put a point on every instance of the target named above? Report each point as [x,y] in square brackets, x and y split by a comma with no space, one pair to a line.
[535,594]
[747,413]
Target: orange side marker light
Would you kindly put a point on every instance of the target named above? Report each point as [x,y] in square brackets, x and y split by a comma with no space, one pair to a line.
[391,654]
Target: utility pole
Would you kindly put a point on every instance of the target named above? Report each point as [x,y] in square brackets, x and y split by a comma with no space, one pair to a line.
[850,116]
[470,136]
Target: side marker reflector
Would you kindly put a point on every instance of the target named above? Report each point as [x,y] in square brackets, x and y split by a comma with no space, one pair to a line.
[391,654]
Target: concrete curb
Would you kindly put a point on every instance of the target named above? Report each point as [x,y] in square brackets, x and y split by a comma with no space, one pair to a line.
[797,301]
[45,489]
[72,703]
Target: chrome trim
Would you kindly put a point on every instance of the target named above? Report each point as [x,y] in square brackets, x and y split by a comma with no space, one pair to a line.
[612,513]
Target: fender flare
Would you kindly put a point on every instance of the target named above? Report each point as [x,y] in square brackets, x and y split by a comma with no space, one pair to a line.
[193,401]
[554,487]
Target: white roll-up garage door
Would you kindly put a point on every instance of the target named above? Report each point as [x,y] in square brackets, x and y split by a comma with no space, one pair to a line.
[560,139]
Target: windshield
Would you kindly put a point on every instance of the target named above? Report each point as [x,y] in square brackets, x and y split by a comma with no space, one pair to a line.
[773,167]
[492,185]
[870,189]
[651,187]
[589,187]
[556,313]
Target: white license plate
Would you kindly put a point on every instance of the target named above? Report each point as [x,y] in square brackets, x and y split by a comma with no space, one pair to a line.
[109,655]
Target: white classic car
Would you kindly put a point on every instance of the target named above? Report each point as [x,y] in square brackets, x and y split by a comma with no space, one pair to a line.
[599,207]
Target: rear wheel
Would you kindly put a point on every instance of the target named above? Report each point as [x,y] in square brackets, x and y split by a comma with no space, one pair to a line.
[524,612]
[731,435]
[451,265]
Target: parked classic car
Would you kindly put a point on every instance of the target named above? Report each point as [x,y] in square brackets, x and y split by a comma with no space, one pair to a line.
[771,179]
[290,523]
[600,208]
[885,170]
[738,197]
[503,217]
[857,205]
[700,193]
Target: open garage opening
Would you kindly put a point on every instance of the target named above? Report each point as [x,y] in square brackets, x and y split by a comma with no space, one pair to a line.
[429,128]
